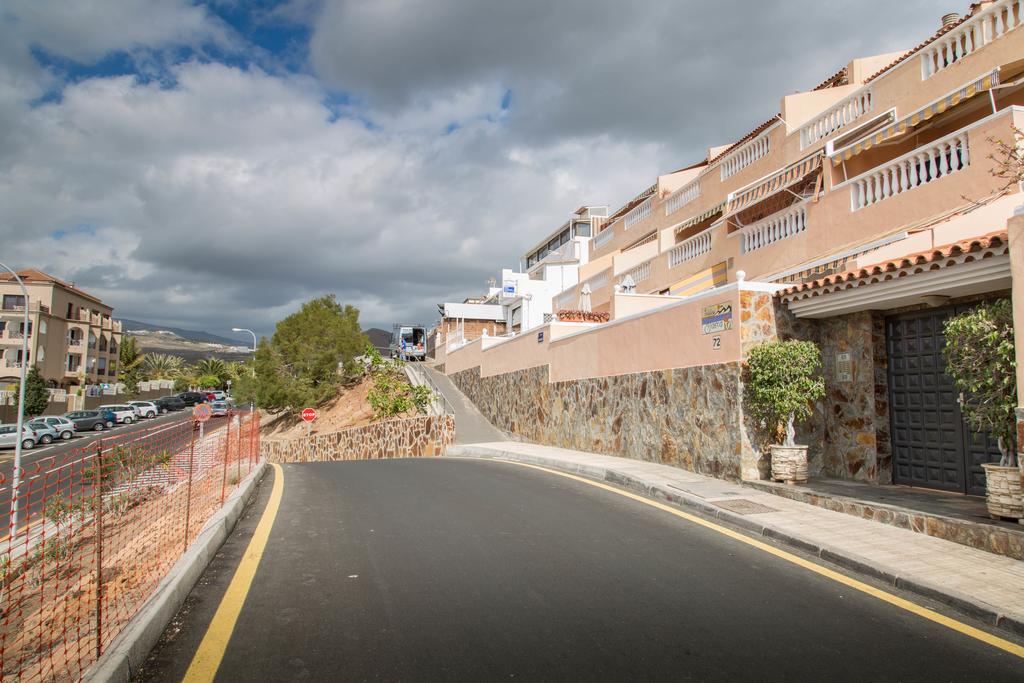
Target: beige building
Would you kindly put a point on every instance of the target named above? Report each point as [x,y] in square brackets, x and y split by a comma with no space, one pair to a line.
[72,336]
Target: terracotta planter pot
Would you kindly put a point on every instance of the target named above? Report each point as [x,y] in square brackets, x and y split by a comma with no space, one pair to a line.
[1003,494]
[789,464]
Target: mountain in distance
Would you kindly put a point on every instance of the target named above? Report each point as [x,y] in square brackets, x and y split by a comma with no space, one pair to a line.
[129,326]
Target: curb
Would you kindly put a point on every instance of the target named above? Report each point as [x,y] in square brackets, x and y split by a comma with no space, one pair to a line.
[129,650]
[978,609]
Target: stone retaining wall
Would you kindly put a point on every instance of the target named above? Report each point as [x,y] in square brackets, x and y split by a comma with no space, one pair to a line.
[687,417]
[405,438]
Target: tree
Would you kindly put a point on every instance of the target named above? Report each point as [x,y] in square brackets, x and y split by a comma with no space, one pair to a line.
[162,366]
[782,382]
[980,359]
[36,395]
[213,368]
[299,366]
[131,360]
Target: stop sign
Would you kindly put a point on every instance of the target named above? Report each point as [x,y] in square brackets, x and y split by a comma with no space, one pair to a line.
[309,414]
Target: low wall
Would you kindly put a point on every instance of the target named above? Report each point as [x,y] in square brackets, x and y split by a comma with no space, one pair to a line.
[405,438]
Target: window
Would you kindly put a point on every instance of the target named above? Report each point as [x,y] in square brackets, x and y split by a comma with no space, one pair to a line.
[14,302]
[583,229]
[42,327]
[71,311]
[40,354]
[92,340]
[103,343]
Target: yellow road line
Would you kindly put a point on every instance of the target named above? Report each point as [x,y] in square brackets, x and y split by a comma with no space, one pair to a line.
[211,651]
[902,603]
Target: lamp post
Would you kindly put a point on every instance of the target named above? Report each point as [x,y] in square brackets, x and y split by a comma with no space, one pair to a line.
[252,404]
[16,478]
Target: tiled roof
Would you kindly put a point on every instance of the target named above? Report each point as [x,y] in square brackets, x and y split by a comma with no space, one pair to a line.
[933,259]
[749,136]
[910,53]
[38,276]
[838,78]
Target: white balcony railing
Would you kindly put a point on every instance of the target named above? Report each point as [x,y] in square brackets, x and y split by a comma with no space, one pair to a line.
[689,249]
[683,196]
[920,167]
[603,238]
[779,226]
[836,117]
[988,25]
[747,154]
[74,342]
[638,214]
[640,273]
[599,281]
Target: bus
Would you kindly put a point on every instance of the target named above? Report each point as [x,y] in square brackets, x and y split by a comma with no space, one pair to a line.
[409,342]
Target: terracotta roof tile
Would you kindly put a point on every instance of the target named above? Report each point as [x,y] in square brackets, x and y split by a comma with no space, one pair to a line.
[931,257]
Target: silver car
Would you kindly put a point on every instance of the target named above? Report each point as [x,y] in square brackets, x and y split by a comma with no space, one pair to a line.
[65,427]
[9,436]
[45,433]
[123,414]
[145,408]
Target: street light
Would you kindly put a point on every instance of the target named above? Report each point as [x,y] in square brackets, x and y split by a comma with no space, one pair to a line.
[16,483]
[252,404]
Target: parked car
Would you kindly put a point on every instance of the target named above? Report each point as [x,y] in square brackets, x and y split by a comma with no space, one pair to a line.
[123,413]
[9,436]
[190,398]
[145,408]
[85,420]
[215,395]
[168,403]
[219,408]
[65,427]
[111,418]
[44,433]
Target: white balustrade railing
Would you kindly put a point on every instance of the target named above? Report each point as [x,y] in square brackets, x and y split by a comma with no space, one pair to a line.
[920,167]
[603,238]
[681,197]
[568,299]
[599,281]
[836,117]
[774,228]
[641,272]
[988,25]
[638,214]
[747,154]
[689,249]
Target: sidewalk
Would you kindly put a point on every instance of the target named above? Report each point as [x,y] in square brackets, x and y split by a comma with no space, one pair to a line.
[470,425]
[987,586]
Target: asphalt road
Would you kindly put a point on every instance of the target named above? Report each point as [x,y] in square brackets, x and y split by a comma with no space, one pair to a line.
[49,471]
[470,570]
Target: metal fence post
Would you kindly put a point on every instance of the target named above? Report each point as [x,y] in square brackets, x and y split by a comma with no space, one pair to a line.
[98,516]
[188,487]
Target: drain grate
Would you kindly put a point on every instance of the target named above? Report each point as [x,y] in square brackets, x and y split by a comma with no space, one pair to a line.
[742,506]
[704,494]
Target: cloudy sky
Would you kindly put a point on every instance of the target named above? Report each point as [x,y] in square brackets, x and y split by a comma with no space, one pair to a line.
[213,164]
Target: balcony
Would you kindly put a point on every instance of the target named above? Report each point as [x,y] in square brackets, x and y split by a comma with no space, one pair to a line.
[836,117]
[639,213]
[639,252]
[921,166]
[683,196]
[774,228]
[746,154]
[689,249]
[75,343]
[602,239]
[988,25]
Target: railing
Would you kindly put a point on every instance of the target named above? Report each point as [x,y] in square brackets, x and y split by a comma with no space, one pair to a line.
[920,167]
[689,249]
[746,155]
[567,299]
[779,226]
[440,403]
[637,214]
[599,281]
[639,243]
[683,196]
[988,25]
[641,272]
[603,238]
[74,342]
[836,117]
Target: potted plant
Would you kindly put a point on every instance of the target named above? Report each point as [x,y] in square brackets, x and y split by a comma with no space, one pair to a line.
[980,360]
[783,381]
[577,316]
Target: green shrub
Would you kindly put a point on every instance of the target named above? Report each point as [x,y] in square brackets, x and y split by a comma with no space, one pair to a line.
[782,382]
[980,359]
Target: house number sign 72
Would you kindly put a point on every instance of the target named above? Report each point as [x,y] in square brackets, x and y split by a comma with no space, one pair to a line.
[716,342]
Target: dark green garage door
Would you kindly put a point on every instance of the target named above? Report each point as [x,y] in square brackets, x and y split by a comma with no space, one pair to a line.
[931,445]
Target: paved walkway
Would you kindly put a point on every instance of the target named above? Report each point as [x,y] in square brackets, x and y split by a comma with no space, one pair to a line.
[470,425]
[988,586]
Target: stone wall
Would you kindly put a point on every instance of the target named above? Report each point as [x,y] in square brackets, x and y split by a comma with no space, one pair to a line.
[405,438]
[687,417]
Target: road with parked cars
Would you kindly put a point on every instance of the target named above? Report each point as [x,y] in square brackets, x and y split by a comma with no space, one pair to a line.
[120,423]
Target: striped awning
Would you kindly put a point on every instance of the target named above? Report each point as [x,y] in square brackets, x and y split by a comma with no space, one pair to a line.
[689,223]
[762,189]
[983,84]
[715,276]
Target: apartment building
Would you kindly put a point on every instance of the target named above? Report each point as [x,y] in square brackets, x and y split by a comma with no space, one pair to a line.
[867,210]
[72,336]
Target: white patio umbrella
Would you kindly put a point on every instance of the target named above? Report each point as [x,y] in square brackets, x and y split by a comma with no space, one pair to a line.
[628,286]
[585,297]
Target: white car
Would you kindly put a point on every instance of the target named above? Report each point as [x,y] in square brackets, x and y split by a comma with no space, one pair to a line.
[9,436]
[123,413]
[145,408]
[64,427]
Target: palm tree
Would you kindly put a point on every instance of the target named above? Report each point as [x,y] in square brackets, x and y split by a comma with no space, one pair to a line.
[131,358]
[213,367]
[162,366]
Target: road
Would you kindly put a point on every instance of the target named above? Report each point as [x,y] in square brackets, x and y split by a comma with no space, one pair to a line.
[473,570]
[49,470]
